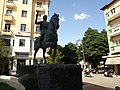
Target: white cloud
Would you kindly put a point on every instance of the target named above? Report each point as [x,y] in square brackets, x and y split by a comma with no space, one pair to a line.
[81,16]
[62,19]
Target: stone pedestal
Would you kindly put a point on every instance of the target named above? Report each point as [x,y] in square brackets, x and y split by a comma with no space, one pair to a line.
[51,77]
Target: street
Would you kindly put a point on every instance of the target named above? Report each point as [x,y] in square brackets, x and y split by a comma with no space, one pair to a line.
[99,82]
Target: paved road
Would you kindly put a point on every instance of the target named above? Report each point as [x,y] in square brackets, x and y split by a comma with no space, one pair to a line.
[94,87]
[99,81]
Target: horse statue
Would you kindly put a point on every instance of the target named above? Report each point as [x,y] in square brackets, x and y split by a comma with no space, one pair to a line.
[50,39]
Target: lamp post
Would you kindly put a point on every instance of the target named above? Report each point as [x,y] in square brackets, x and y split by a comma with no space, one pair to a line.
[82,49]
[2,16]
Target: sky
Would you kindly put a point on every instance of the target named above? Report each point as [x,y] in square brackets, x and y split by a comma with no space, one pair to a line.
[76,16]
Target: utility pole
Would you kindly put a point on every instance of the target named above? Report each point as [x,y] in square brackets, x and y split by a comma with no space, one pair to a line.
[82,49]
[83,52]
[2,17]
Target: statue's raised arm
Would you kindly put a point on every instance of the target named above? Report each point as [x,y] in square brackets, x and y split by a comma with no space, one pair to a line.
[36,18]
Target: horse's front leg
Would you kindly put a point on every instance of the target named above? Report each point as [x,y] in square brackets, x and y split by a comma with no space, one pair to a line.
[53,56]
[44,61]
[34,60]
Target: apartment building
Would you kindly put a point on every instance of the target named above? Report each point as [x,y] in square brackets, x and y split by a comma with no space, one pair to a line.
[17,27]
[112,19]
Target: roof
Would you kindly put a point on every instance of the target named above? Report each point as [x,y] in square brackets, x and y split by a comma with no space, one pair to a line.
[108,4]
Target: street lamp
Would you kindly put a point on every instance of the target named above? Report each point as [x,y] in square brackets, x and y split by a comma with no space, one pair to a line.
[2,16]
[82,49]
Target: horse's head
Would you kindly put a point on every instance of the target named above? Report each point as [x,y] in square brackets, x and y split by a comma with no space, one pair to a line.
[55,21]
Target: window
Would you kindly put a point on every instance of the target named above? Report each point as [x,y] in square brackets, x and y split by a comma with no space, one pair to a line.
[31,46]
[23,27]
[24,13]
[119,42]
[7,27]
[22,42]
[10,1]
[107,14]
[39,4]
[37,29]
[13,42]
[39,16]
[25,1]
[113,11]
[9,12]
[7,42]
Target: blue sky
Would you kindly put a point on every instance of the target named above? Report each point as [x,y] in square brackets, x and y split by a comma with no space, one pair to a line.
[76,16]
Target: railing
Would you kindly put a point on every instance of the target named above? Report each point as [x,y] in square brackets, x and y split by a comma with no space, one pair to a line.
[6,30]
[39,8]
[10,4]
[9,1]
[115,30]
[8,17]
[115,48]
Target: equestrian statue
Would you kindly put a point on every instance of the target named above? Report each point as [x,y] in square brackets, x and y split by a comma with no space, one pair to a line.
[48,36]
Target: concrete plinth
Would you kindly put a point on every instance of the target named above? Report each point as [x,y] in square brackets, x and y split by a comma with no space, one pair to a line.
[51,77]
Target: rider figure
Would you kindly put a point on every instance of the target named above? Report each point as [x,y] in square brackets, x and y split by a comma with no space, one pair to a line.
[43,26]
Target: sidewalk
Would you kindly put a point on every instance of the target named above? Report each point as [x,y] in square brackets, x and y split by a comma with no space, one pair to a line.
[99,82]
[89,86]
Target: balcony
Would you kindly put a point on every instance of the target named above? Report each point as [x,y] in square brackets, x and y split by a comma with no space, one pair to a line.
[8,17]
[113,13]
[115,49]
[40,8]
[22,55]
[114,31]
[7,32]
[10,4]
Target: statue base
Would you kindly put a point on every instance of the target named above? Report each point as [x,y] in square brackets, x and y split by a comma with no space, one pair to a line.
[51,77]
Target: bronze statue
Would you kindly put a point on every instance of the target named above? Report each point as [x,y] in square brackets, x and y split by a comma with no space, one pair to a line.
[43,25]
[48,37]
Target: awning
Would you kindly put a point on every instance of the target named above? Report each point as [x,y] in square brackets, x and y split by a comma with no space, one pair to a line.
[112,61]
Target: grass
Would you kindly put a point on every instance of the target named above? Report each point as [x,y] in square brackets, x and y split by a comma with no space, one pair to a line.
[4,86]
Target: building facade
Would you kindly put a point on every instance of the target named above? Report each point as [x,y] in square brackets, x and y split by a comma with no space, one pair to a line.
[112,19]
[17,27]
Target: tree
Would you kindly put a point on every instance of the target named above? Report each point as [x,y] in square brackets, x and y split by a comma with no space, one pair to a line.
[70,54]
[95,45]
[4,56]
[58,57]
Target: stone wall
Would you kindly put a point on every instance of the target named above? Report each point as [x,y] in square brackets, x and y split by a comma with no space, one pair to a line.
[51,77]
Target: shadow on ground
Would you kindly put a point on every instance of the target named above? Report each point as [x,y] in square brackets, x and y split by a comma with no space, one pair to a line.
[88,86]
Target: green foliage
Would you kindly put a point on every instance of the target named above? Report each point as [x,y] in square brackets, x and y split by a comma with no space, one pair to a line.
[57,58]
[4,55]
[4,51]
[95,45]
[70,54]
[67,54]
